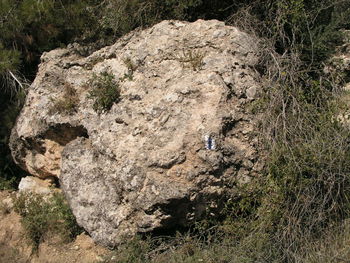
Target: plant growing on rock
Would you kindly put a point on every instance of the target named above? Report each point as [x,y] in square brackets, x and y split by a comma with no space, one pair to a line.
[105,91]
[68,104]
[131,66]
[192,59]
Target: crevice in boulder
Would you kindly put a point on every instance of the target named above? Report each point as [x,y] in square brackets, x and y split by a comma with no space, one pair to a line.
[228,125]
[176,208]
[65,133]
[184,213]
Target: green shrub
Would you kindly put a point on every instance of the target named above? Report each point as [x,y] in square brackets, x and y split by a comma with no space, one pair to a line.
[306,185]
[105,91]
[45,216]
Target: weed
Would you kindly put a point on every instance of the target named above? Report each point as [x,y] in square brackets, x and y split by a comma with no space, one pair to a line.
[191,58]
[45,216]
[105,91]
[133,251]
[131,66]
[68,104]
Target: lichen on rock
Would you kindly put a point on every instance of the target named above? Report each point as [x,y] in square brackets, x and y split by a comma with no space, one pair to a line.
[145,164]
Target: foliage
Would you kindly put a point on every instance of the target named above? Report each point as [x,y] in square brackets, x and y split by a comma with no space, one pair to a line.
[188,247]
[333,247]
[305,189]
[11,99]
[308,28]
[44,216]
[9,59]
[308,177]
[29,27]
[105,91]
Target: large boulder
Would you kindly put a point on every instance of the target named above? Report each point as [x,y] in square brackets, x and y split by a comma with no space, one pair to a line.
[169,150]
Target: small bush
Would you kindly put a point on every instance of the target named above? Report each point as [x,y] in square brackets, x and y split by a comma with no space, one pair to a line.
[68,104]
[42,217]
[105,91]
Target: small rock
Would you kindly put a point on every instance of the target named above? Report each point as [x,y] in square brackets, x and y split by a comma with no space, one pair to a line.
[34,185]
[76,248]
[251,92]
[171,97]
[219,33]
[99,259]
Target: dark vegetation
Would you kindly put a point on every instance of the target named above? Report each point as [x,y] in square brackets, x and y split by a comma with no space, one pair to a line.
[104,91]
[298,210]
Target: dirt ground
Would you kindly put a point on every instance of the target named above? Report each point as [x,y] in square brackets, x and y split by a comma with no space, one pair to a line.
[15,248]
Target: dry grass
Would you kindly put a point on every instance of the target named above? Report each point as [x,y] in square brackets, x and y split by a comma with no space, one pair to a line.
[192,59]
[68,104]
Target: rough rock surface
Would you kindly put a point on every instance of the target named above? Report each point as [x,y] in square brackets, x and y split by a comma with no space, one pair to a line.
[165,154]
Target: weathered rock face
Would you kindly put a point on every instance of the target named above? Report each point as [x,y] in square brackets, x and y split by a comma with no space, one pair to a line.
[165,154]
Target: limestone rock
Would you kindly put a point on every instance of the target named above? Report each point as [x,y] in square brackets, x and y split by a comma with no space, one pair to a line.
[169,150]
[35,185]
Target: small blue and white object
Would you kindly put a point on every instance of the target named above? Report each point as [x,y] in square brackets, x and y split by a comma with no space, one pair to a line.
[209,142]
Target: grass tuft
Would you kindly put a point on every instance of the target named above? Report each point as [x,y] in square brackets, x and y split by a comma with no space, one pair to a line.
[69,102]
